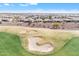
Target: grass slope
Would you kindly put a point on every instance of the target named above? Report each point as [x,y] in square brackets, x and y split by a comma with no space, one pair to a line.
[10,45]
[70,49]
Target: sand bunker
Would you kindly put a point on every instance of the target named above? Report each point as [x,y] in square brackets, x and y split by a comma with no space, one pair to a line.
[33,45]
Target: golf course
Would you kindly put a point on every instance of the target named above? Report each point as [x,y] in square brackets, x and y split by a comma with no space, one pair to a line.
[25,41]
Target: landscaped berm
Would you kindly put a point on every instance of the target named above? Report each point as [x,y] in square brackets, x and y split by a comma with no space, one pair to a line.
[24,41]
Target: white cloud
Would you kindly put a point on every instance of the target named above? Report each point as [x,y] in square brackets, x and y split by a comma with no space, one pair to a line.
[39,1]
[41,11]
[6,4]
[17,1]
[33,3]
[27,4]
[52,11]
[23,4]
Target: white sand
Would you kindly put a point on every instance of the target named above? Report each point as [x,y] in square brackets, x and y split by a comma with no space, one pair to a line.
[34,47]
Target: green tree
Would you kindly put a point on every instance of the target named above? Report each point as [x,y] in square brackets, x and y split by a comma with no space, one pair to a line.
[56,25]
[50,17]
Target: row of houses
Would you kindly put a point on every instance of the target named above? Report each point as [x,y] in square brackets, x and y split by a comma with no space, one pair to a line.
[52,22]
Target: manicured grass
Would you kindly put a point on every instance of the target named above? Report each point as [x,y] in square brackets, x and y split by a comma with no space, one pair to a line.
[10,45]
[70,49]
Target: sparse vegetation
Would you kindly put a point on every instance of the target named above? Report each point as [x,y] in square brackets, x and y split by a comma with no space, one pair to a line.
[56,25]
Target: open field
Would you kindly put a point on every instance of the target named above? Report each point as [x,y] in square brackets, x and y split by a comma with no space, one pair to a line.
[37,41]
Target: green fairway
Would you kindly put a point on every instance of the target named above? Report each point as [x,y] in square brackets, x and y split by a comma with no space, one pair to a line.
[70,49]
[10,45]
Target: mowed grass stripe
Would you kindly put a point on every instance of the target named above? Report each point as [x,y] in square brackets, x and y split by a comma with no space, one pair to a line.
[5,47]
[2,51]
[70,49]
[10,45]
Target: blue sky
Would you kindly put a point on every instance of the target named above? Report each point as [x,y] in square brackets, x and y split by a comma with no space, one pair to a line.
[38,7]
